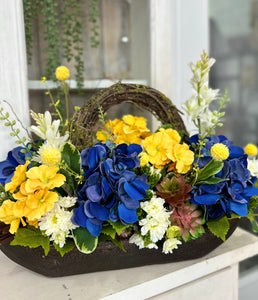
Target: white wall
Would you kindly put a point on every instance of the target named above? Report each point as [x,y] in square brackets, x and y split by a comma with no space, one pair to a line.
[13,68]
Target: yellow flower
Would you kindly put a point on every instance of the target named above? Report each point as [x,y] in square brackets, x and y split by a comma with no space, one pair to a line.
[38,203]
[128,139]
[183,158]
[8,217]
[144,159]
[173,134]
[62,73]
[219,151]
[43,79]
[134,124]
[43,177]
[173,231]
[51,156]
[157,145]
[18,177]
[251,150]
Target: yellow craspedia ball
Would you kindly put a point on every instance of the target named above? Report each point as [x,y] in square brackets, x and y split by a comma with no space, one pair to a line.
[62,73]
[219,151]
[144,159]
[51,156]
[251,150]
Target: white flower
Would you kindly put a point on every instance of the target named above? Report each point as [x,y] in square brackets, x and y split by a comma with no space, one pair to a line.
[138,241]
[157,219]
[253,166]
[208,94]
[170,244]
[48,130]
[57,224]
[66,202]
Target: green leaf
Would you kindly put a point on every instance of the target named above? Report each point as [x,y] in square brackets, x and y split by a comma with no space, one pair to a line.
[103,238]
[212,168]
[219,227]
[253,203]
[119,226]
[31,237]
[84,241]
[68,246]
[212,180]
[109,230]
[254,225]
[71,157]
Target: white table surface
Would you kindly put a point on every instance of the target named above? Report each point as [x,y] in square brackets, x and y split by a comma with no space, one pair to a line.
[17,282]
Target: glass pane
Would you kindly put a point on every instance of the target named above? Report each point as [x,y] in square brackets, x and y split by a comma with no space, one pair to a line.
[123,53]
[234,44]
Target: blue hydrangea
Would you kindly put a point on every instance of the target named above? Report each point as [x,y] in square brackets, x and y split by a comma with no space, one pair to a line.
[233,194]
[112,190]
[7,167]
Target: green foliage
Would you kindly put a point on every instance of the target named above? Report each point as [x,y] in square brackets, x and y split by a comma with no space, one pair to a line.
[71,165]
[62,22]
[103,238]
[251,215]
[219,227]
[84,241]
[253,203]
[31,237]
[68,246]
[109,230]
[212,168]
[119,226]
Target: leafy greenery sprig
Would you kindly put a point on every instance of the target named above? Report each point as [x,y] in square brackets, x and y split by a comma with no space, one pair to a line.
[94,14]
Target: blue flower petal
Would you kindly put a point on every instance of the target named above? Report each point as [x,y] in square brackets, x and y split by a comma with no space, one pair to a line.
[129,202]
[93,193]
[240,209]
[250,191]
[207,199]
[93,229]
[140,186]
[80,217]
[132,192]
[98,211]
[235,152]
[128,216]
[134,148]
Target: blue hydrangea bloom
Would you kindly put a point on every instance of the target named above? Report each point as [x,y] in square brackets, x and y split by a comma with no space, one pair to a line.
[112,190]
[7,167]
[233,194]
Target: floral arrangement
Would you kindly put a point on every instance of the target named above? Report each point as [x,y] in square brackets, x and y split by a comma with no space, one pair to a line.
[156,190]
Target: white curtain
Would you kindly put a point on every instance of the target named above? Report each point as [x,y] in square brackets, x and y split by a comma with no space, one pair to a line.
[13,70]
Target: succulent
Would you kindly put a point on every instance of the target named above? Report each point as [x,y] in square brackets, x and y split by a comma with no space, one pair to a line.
[190,221]
[174,190]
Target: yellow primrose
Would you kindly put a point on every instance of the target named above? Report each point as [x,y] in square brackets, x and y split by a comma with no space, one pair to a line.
[38,203]
[43,177]
[18,177]
[183,157]
[157,145]
[144,159]
[132,138]
[8,217]
[134,124]
[173,134]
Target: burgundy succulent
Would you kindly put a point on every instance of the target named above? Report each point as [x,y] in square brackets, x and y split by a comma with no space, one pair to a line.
[190,221]
[174,190]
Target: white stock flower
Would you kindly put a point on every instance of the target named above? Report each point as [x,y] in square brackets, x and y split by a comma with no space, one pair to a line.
[170,244]
[57,224]
[48,130]
[66,202]
[253,166]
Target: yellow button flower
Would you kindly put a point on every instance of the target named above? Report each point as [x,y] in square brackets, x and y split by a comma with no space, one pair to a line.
[18,177]
[62,73]
[251,150]
[51,156]
[144,159]
[219,151]
[173,231]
